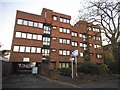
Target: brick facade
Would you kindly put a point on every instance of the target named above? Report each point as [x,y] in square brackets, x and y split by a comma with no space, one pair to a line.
[51,37]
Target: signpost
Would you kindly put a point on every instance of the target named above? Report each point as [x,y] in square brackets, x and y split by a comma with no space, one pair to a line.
[74,55]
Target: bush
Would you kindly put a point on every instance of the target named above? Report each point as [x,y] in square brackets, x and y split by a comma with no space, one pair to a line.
[88,68]
[114,68]
[65,71]
[103,69]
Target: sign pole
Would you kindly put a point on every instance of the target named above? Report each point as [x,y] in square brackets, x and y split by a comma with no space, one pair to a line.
[76,65]
[72,68]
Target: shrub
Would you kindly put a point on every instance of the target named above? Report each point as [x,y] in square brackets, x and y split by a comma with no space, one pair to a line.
[103,69]
[88,68]
[65,71]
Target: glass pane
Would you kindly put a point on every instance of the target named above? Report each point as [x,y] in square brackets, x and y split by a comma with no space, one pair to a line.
[33,49]
[38,50]
[39,37]
[29,36]
[23,35]
[35,24]
[40,25]
[22,48]
[34,36]
[30,23]
[16,48]
[27,49]
[19,21]
[25,22]
[18,34]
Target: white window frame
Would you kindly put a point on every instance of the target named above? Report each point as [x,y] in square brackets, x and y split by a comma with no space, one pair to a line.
[18,34]
[27,49]
[29,36]
[55,18]
[19,21]
[30,23]
[38,50]
[33,49]
[39,37]
[25,22]
[16,48]
[22,48]
[34,36]
[40,25]
[24,35]
[81,54]
[35,24]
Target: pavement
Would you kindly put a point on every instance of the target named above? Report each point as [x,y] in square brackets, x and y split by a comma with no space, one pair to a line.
[38,81]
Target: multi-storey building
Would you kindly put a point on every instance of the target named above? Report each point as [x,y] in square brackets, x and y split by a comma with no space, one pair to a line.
[50,37]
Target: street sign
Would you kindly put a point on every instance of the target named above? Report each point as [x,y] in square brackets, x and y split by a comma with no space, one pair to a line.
[75,53]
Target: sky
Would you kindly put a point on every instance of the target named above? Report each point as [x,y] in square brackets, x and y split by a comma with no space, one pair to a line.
[8,13]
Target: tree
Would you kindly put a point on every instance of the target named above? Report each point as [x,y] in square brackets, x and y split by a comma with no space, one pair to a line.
[107,14]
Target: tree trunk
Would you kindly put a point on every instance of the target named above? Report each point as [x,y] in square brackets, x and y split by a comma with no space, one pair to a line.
[115,50]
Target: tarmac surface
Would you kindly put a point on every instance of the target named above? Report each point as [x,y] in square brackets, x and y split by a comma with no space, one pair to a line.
[38,81]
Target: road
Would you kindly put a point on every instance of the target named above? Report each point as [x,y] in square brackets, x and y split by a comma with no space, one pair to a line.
[33,81]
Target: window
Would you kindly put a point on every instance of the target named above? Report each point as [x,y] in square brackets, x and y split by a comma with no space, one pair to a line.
[74,34]
[22,48]
[35,24]
[19,21]
[16,48]
[90,44]
[89,28]
[25,22]
[64,20]
[23,35]
[63,65]
[46,41]
[97,46]
[30,23]
[39,37]
[38,50]
[54,38]
[64,41]
[64,30]
[27,49]
[96,30]
[55,18]
[97,38]
[60,52]
[33,49]
[34,36]
[64,52]
[80,35]
[81,54]
[45,52]
[29,36]
[81,44]
[99,56]
[40,25]
[74,43]
[47,29]
[18,34]
[54,27]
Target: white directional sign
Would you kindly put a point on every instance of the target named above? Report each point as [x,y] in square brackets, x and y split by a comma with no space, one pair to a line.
[75,53]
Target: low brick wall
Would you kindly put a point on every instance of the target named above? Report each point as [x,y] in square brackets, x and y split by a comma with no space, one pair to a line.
[48,71]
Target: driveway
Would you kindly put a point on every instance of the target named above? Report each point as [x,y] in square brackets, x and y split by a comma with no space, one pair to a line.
[32,81]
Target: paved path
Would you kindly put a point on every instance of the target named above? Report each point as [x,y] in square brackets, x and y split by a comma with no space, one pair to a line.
[33,81]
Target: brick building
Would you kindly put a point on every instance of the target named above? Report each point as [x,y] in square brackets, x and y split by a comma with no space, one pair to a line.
[51,37]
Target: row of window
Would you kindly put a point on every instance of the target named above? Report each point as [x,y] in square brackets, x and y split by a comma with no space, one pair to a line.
[94,29]
[64,20]
[46,41]
[30,23]
[97,38]
[27,49]
[64,41]
[74,44]
[74,34]
[64,65]
[64,30]
[97,46]
[28,36]
[64,52]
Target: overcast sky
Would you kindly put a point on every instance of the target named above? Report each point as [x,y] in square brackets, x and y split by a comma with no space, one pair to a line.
[8,12]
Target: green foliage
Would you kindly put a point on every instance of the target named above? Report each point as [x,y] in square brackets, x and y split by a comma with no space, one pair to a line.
[108,60]
[65,71]
[114,67]
[88,68]
[103,69]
